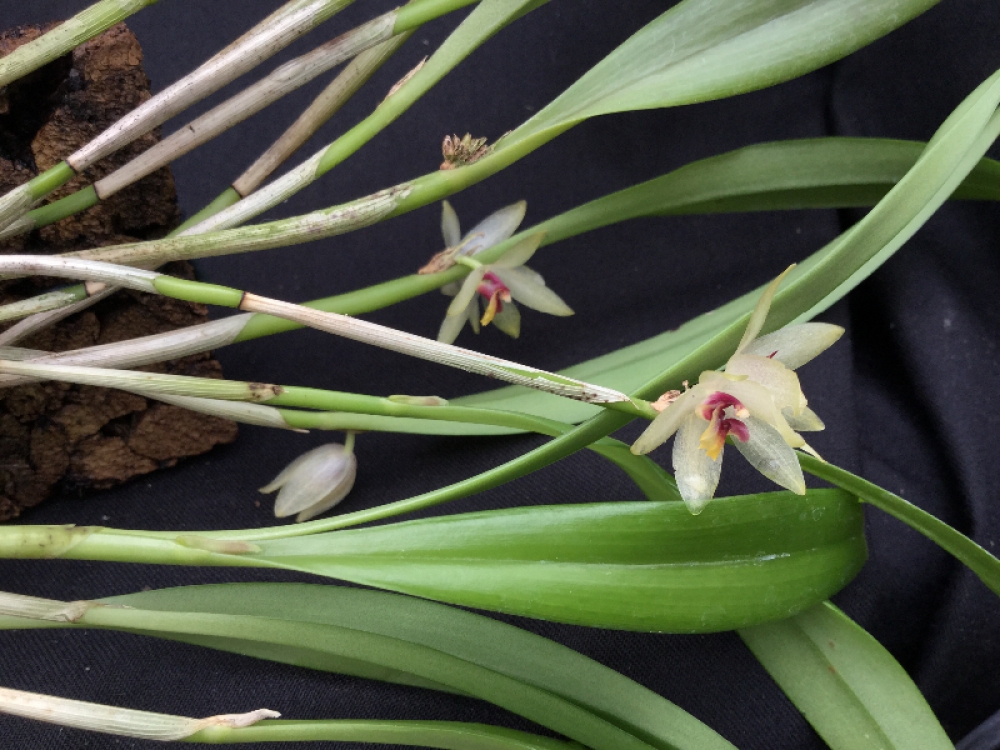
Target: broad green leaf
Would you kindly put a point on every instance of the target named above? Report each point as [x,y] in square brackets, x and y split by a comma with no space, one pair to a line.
[648,566]
[325,627]
[701,50]
[852,691]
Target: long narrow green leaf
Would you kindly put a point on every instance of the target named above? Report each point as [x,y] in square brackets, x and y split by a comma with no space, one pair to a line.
[443,735]
[635,566]
[708,49]
[335,628]
[845,683]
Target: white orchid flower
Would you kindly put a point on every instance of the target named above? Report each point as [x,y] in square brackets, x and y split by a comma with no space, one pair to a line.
[757,401]
[315,481]
[497,284]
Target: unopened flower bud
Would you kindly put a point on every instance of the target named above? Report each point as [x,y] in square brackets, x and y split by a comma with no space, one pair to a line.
[315,481]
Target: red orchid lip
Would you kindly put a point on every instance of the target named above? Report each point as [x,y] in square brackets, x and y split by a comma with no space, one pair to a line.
[720,399]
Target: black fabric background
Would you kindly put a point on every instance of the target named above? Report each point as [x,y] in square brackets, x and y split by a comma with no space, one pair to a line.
[909,395]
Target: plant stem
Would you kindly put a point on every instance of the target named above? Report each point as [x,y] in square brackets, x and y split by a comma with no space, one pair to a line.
[275,32]
[978,560]
[479,26]
[85,25]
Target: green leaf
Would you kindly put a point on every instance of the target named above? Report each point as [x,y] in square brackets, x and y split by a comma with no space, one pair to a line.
[852,691]
[446,735]
[648,566]
[701,50]
[335,628]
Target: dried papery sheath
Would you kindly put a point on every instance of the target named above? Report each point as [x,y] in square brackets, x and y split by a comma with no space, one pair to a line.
[435,351]
[147,383]
[37,305]
[23,225]
[342,325]
[238,411]
[322,109]
[121,721]
[260,201]
[73,268]
[197,243]
[50,610]
[145,350]
[13,206]
[42,320]
[268,37]
[18,354]
[283,80]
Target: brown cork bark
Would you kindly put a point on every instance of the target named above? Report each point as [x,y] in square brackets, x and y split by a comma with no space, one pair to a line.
[54,435]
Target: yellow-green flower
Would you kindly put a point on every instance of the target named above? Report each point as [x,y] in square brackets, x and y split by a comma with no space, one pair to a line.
[495,285]
[757,401]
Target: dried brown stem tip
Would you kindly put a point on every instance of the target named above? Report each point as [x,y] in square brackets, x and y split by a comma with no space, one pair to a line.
[458,152]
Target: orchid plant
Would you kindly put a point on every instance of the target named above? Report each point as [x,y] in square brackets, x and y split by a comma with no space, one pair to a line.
[762,564]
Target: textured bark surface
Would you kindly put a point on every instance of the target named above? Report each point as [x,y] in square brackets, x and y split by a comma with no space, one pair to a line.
[54,434]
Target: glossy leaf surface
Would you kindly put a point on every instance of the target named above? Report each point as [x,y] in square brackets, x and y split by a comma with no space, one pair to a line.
[648,566]
[852,691]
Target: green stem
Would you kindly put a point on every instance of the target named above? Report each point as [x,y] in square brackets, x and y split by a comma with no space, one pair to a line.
[85,25]
[416,14]
[589,432]
[67,206]
[115,545]
[50,179]
[224,200]
[977,559]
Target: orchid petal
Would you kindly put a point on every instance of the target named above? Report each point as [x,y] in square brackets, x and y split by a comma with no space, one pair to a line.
[525,288]
[520,253]
[335,496]
[472,312]
[768,453]
[494,229]
[467,292]
[315,481]
[759,314]
[696,473]
[452,325]
[806,421]
[283,476]
[795,345]
[451,289]
[450,227]
[778,379]
[667,422]
[758,400]
[508,320]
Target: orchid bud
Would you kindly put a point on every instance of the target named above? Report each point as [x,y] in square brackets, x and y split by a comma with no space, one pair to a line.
[315,481]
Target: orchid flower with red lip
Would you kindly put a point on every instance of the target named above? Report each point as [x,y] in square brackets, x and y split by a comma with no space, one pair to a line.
[757,402]
[497,284]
